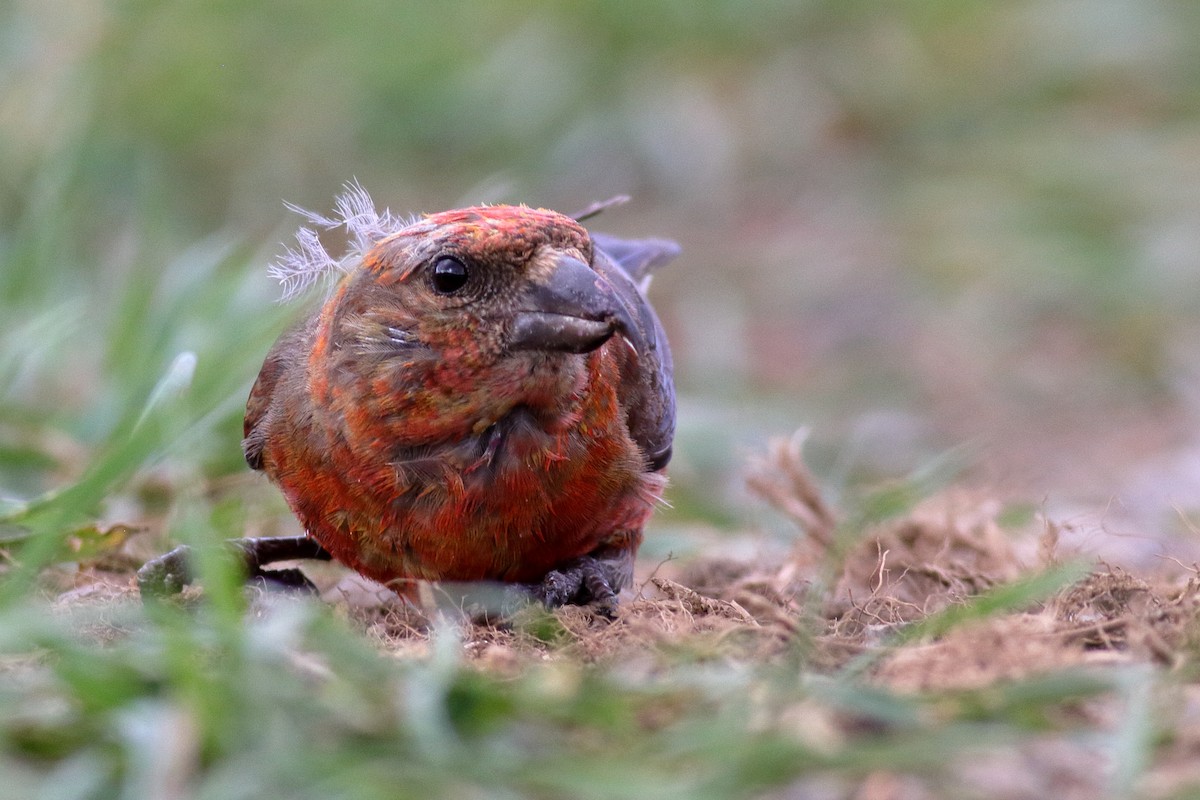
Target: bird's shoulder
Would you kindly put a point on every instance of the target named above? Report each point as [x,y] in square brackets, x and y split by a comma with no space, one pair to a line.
[289,348]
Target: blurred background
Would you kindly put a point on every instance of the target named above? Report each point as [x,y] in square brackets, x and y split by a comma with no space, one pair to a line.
[910,226]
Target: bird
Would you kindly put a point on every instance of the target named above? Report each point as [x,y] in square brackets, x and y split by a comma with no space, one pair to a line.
[484,395]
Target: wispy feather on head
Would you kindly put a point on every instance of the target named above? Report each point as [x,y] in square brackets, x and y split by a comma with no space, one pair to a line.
[302,265]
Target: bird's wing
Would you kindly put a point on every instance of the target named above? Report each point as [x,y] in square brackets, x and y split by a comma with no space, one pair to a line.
[648,389]
[282,355]
[638,257]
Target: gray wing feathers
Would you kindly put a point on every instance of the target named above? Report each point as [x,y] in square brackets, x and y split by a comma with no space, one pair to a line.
[648,389]
[291,347]
[638,257]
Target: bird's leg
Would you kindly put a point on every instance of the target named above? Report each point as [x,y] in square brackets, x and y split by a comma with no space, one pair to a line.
[592,579]
[170,572]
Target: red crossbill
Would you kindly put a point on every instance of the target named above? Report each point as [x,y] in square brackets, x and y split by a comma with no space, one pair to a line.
[486,395]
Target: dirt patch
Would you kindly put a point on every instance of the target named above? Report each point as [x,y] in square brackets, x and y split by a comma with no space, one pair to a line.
[841,594]
[947,551]
[842,597]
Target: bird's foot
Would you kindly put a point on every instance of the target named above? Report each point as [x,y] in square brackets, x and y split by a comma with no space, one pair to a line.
[169,573]
[589,580]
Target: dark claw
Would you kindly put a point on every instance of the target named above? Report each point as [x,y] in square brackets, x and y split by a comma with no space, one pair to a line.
[582,581]
[169,573]
[165,575]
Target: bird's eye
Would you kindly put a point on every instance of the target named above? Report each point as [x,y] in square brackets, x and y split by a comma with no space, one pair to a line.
[449,275]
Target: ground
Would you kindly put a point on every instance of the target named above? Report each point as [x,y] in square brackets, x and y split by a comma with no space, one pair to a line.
[956,240]
[944,652]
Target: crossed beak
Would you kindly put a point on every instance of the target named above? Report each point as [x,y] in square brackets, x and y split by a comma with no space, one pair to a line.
[573,310]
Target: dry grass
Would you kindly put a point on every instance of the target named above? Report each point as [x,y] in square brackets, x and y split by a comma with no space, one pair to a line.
[839,602]
[943,552]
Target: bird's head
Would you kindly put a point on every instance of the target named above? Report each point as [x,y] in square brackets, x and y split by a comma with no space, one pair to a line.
[446,322]
[514,279]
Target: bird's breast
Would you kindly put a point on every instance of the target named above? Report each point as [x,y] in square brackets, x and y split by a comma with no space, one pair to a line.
[524,499]
[536,486]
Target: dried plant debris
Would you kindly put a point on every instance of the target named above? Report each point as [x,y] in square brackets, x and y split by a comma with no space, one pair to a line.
[944,552]
[976,655]
[1112,610]
[784,480]
[829,600]
[937,557]
[820,609]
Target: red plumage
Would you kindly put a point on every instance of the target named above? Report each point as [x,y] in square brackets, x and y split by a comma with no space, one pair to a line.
[486,395]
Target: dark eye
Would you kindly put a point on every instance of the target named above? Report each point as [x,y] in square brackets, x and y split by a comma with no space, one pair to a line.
[449,275]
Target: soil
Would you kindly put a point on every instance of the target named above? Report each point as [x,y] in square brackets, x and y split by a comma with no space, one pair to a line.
[836,602]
